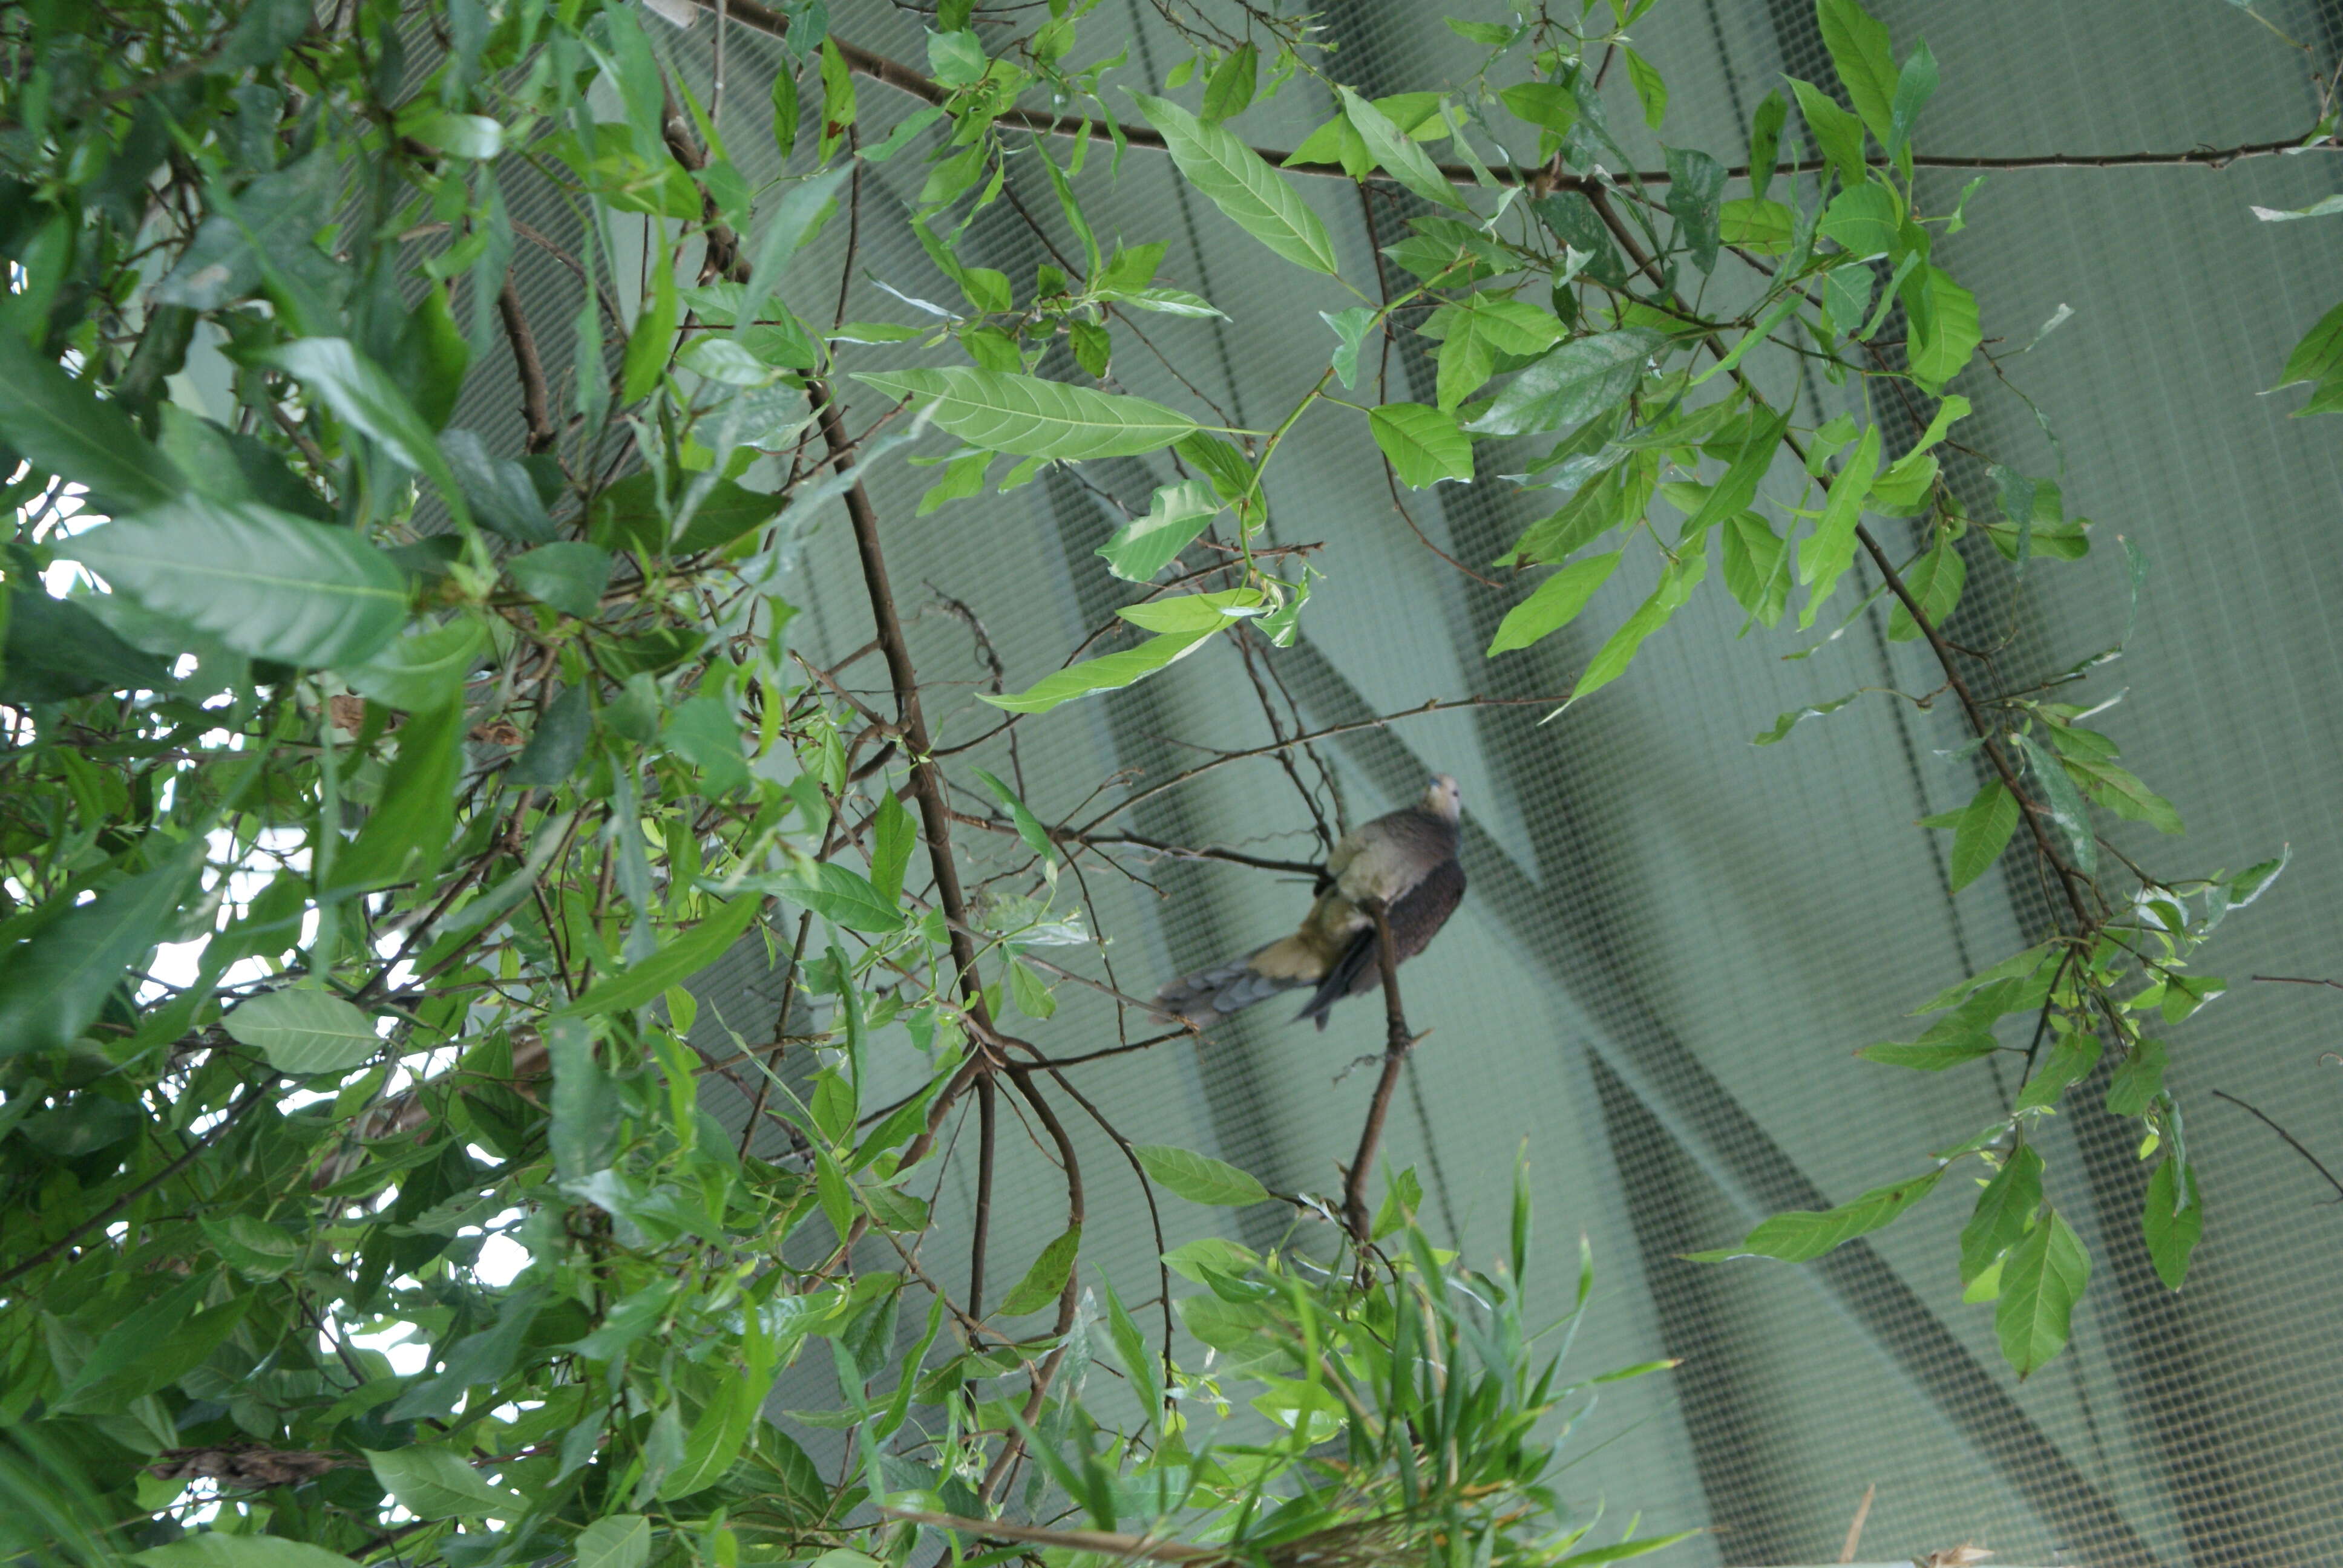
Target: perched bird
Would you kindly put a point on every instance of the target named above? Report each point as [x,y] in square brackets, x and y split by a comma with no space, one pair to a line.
[1407,859]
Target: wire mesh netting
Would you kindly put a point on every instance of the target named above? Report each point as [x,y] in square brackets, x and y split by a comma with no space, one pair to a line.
[1673,939]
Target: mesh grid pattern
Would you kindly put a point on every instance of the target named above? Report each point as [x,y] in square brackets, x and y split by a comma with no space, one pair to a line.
[1672,941]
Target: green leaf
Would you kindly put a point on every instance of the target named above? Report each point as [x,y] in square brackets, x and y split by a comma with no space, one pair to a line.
[1029,991]
[265,582]
[2003,1209]
[1194,612]
[1397,153]
[1199,1178]
[1765,142]
[1864,220]
[435,1484]
[56,648]
[569,576]
[1046,1278]
[1953,333]
[893,837]
[840,895]
[1756,565]
[2171,1220]
[1983,832]
[627,516]
[673,964]
[423,669]
[60,425]
[2133,1086]
[1696,197]
[218,1549]
[53,986]
[584,1134]
[1549,105]
[1801,1236]
[1786,722]
[1765,227]
[2326,206]
[473,136]
[1112,672]
[1824,555]
[1650,91]
[652,342]
[2319,356]
[1915,85]
[1030,829]
[558,743]
[1143,547]
[1838,133]
[499,490]
[1862,56]
[1030,417]
[1575,382]
[1622,1550]
[2071,1059]
[1611,660]
[1749,462]
[2041,1280]
[1248,192]
[717,1436]
[305,1031]
[615,1540]
[1555,604]
[1231,85]
[367,401]
[1425,445]
[1931,1053]
[1935,580]
[407,832]
[2069,815]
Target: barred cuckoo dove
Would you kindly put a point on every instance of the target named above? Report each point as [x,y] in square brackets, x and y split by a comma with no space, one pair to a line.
[1407,859]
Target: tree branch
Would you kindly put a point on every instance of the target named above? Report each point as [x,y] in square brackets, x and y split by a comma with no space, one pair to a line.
[1397,1042]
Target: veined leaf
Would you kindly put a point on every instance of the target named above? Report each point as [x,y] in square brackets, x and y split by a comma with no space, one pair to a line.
[305,1031]
[615,1540]
[2041,1280]
[263,582]
[1577,381]
[63,425]
[53,986]
[1425,445]
[838,894]
[1145,545]
[1047,1277]
[1802,1235]
[435,1484]
[1110,673]
[2003,1211]
[1983,832]
[673,964]
[1030,418]
[1555,604]
[1611,660]
[218,1549]
[1250,194]
[363,396]
[2171,1219]
[1865,58]
[1199,1178]
[1400,156]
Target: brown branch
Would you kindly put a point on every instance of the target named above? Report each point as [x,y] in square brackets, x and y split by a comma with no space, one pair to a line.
[536,405]
[2292,1142]
[1106,1543]
[904,79]
[1397,1042]
[2295,980]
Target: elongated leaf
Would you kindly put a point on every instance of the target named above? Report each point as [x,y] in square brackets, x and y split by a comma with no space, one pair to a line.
[1825,553]
[364,397]
[1748,466]
[2041,1280]
[1400,156]
[263,582]
[1931,1055]
[218,1549]
[1425,445]
[1555,604]
[435,1484]
[1145,545]
[1865,58]
[838,894]
[1953,335]
[305,1031]
[2319,356]
[1030,418]
[53,986]
[62,426]
[2171,1219]
[1802,1235]
[408,831]
[2132,1086]
[1047,1277]
[1986,825]
[1695,198]
[1611,660]
[1836,132]
[1029,829]
[2003,1209]
[1199,1178]
[568,577]
[2069,815]
[1112,672]
[1577,381]
[1234,178]
[615,1540]
[422,670]
[893,837]
[673,964]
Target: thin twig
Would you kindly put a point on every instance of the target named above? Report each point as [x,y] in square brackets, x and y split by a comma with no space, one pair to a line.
[1396,1044]
[2292,1142]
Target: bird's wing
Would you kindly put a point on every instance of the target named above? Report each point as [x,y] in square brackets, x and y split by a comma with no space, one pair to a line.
[1393,853]
[1415,919]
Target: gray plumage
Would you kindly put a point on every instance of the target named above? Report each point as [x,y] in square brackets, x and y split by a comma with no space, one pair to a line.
[1406,859]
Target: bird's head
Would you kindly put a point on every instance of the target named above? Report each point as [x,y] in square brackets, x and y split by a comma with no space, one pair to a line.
[1442,798]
